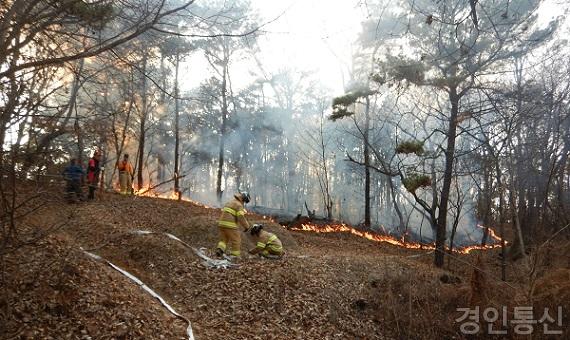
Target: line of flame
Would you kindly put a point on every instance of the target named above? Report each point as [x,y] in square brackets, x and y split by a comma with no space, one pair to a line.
[337,228]
[343,228]
[147,192]
[492,233]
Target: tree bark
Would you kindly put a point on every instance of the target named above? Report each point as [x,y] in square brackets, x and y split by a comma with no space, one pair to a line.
[447,177]
[499,175]
[219,191]
[142,131]
[176,132]
[120,140]
[367,165]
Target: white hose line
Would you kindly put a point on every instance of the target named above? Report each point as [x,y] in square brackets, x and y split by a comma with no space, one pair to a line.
[133,278]
[207,261]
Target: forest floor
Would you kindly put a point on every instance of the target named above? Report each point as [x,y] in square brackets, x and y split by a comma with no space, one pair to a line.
[328,286]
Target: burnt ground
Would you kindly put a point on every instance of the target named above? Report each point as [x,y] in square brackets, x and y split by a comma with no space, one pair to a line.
[328,286]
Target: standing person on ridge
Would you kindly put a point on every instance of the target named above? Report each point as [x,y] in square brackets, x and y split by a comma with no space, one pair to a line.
[93,170]
[73,175]
[125,175]
[233,214]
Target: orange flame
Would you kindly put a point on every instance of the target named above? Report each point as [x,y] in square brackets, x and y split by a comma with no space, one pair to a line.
[149,192]
[268,218]
[343,228]
[337,228]
[492,233]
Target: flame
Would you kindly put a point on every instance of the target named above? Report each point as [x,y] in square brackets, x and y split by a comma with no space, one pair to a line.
[492,233]
[337,228]
[149,192]
[268,218]
[343,228]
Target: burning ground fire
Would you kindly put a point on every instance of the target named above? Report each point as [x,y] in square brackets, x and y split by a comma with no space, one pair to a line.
[343,228]
[338,228]
[149,192]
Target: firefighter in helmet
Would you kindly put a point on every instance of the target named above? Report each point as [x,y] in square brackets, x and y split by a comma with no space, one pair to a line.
[266,244]
[232,218]
[125,175]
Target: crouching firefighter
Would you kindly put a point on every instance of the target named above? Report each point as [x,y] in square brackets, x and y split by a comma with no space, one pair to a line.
[266,244]
[233,216]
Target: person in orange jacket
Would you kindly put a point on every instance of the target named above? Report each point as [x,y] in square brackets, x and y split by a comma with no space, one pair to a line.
[266,244]
[125,175]
[232,217]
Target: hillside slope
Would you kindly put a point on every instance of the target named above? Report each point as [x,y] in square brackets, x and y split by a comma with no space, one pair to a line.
[332,286]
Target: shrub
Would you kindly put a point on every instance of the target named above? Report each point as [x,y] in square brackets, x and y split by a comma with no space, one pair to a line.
[408,147]
[415,181]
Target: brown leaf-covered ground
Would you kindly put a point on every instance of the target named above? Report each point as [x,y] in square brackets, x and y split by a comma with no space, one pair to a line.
[328,286]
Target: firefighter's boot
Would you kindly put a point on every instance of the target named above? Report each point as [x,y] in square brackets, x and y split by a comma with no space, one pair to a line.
[219,253]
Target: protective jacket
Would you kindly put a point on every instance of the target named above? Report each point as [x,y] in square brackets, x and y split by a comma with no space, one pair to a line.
[125,166]
[125,177]
[93,170]
[266,243]
[233,214]
[73,172]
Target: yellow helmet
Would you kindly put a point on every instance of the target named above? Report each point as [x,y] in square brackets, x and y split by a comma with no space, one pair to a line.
[243,196]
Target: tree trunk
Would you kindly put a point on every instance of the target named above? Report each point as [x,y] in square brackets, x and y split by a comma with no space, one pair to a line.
[142,125]
[324,171]
[77,125]
[219,191]
[499,175]
[120,140]
[517,180]
[401,222]
[176,132]
[486,201]
[447,177]
[562,211]
[367,165]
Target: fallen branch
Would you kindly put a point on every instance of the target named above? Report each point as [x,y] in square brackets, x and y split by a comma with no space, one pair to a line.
[159,184]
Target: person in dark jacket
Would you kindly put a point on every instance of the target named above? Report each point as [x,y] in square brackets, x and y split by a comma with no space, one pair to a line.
[93,170]
[73,175]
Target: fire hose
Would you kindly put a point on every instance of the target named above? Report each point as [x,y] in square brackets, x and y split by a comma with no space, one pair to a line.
[201,252]
[206,261]
[133,278]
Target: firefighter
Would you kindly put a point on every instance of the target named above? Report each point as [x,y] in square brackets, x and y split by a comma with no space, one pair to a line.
[266,244]
[93,170]
[232,218]
[125,175]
